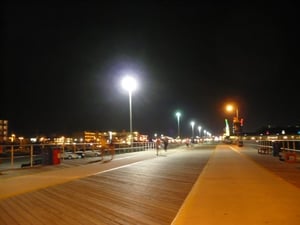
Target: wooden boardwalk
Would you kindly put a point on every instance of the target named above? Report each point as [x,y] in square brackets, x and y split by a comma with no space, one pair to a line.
[144,193]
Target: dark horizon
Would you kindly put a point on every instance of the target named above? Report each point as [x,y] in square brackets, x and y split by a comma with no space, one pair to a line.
[62,65]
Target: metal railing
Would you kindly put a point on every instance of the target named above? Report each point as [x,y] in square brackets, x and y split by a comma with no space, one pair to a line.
[29,155]
[286,149]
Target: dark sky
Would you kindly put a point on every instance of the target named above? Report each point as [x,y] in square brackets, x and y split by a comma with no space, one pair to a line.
[62,65]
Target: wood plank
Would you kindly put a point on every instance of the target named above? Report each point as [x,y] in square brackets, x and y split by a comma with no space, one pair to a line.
[149,192]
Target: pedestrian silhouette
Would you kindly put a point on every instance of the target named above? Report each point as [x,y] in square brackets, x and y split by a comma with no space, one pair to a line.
[166,142]
[157,143]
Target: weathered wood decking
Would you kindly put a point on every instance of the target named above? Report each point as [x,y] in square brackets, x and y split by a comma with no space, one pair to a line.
[148,192]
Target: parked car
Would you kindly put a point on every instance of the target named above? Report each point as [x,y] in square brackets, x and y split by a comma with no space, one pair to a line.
[80,153]
[69,155]
[92,153]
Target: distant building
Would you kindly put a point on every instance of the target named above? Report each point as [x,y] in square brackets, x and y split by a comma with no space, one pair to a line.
[117,137]
[3,131]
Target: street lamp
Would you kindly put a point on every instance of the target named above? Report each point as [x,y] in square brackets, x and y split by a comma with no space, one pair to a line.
[230,108]
[199,129]
[237,123]
[129,84]
[178,114]
[193,124]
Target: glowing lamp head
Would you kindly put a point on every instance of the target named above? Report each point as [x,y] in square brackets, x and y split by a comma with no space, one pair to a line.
[229,108]
[129,83]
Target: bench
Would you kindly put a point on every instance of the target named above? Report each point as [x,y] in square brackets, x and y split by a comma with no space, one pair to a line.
[35,162]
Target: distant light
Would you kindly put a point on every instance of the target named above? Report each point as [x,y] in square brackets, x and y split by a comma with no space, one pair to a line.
[33,139]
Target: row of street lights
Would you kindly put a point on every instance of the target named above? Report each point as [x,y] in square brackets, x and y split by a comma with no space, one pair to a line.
[130,84]
[178,115]
[237,122]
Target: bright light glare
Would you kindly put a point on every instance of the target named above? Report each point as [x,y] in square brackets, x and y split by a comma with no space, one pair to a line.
[129,83]
[229,108]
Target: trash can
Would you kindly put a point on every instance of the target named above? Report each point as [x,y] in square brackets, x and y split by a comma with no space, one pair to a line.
[51,156]
[56,156]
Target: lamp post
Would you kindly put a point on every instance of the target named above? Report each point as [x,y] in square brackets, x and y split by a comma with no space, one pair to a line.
[178,114]
[129,84]
[237,123]
[192,124]
[230,108]
[199,129]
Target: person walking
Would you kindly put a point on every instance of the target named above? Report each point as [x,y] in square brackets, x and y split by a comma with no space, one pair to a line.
[166,142]
[157,145]
[112,149]
[107,148]
[187,142]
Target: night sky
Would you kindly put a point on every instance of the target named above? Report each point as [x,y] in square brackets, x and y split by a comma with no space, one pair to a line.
[62,65]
